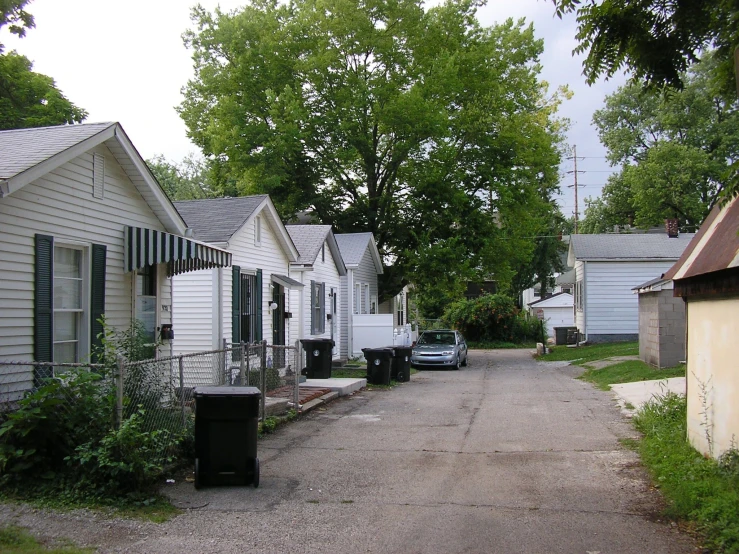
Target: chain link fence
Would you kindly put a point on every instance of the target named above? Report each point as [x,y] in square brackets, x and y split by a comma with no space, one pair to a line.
[161,389]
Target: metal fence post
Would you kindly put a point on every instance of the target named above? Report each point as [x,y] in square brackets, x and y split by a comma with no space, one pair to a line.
[263,378]
[119,392]
[182,391]
[224,361]
[298,364]
[242,368]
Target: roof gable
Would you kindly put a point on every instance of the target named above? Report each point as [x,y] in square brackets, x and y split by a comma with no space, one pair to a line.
[714,248]
[559,300]
[627,247]
[353,247]
[29,154]
[216,220]
[309,239]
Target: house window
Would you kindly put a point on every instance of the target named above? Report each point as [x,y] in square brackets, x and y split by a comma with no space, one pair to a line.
[400,308]
[357,298]
[373,304]
[146,300]
[249,308]
[579,296]
[567,289]
[323,252]
[366,298]
[318,308]
[69,305]
[258,231]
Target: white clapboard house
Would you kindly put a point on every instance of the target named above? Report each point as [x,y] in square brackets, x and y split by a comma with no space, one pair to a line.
[607,268]
[249,301]
[359,290]
[320,268]
[86,231]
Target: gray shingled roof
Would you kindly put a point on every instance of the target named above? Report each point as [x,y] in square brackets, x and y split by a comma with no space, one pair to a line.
[22,149]
[353,246]
[217,219]
[566,278]
[308,240]
[628,246]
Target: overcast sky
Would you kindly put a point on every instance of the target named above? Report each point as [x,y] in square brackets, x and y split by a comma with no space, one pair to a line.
[125,62]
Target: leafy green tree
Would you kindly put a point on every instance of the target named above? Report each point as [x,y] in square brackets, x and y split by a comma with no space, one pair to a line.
[676,150]
[187,180]
[421,126]
[654,40]
[13,14]
[29,99]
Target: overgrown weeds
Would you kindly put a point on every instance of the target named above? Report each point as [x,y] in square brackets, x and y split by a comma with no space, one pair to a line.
[17,540]
[698,489]
[589,353]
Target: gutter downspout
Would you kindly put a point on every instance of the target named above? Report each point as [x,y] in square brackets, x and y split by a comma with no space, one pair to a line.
[350,313]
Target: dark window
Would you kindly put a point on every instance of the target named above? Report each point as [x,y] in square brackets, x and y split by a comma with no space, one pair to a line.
[248,308]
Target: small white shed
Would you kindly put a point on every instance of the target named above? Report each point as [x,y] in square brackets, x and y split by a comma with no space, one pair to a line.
[556,311]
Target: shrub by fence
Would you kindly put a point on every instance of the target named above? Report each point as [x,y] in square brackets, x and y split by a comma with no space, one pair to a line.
[492,317]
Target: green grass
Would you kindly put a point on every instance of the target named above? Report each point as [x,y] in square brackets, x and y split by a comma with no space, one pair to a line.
[493,345]
[629,372]
[699,490]
[16,540]
[589,353]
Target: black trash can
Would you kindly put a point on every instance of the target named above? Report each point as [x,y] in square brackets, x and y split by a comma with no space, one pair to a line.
[572,335]
[226,425]
[378,365]
[560,335]
[318,354]
[400,369]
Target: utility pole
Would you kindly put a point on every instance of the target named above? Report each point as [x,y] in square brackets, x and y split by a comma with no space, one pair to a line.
[577,207]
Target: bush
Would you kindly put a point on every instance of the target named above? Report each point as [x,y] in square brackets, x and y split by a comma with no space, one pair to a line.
[493,318]
[51,421]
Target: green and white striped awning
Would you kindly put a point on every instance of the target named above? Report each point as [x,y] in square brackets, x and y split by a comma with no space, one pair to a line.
[181,254]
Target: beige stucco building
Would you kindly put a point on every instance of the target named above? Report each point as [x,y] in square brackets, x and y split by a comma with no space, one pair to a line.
[707,277]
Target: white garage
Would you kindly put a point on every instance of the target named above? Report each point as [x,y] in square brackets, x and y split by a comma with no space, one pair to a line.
[556,311]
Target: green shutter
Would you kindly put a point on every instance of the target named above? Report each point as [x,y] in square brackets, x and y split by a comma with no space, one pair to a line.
[97,296]
[313,308]
[258,330]
[235,304]
[43,306]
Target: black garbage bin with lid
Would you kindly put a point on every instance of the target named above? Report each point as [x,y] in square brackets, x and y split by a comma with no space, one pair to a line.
[318,353]
[226,425]
[378,365]
[400,369]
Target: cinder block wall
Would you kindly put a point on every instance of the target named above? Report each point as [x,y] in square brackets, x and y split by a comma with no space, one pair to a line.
[661,329]
[649,328]
[672,329]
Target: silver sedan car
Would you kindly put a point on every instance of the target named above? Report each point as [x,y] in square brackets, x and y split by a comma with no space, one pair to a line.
[440,348]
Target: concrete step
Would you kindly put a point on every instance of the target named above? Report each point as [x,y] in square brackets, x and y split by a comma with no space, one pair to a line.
[344,386]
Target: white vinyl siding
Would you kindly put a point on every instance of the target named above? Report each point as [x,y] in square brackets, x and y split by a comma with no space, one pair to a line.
[61,204]
[611,307]
[365,272]
[202,321]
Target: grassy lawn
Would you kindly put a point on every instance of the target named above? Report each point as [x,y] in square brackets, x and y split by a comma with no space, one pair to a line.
[629,372]
[16,540]
[699,490]
[589,353]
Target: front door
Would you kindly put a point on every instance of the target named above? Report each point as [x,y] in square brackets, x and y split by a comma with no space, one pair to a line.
[278,324]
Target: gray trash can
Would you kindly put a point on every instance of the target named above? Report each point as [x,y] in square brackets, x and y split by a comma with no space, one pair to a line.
[318,354]
[226,426]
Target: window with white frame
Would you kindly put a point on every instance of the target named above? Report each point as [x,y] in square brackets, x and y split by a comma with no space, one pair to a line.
[373,304]
[357,298]
[366,302]
[579,295]
[258,230]
[70,288]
